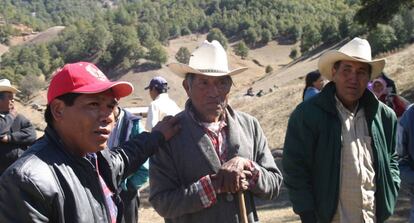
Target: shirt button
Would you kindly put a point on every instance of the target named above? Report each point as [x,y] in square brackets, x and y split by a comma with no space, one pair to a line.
[229,197]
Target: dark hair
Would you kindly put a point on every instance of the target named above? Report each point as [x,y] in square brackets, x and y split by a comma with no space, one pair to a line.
[309,79]
[160,90]
[68,99]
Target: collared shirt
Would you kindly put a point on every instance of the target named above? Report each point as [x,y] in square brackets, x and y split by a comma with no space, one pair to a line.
[357,179]
[217,134]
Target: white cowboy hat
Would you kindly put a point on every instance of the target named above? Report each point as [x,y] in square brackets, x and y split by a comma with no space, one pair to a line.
[355,50]
[5,85]
[209,59]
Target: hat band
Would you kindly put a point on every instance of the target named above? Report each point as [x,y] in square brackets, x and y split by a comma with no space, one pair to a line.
[212,71]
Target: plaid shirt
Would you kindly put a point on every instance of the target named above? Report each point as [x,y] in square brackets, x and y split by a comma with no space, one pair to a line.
[217,134]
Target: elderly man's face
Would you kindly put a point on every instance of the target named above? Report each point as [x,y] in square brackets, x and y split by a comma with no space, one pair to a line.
[208,95]
[6,101]
[351,79]
[85,126]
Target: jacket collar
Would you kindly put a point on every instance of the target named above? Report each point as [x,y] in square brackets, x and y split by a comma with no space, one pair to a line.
[54,138]
[326,100]
[234,137]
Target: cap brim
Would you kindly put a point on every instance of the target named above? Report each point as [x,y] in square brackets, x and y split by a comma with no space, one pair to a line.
[328,59]
[119,88]
[182,69]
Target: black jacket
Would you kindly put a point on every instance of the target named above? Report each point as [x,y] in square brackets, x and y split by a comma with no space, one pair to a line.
[21,134]
[48,184]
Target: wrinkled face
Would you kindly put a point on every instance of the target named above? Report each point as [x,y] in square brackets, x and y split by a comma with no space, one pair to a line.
[6,101]
[351,79]
[85,126]
[208,95]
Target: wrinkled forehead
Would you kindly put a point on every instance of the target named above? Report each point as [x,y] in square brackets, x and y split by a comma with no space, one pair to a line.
[355,64]
[211,78]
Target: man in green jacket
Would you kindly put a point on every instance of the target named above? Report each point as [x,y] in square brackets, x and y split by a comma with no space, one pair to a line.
[339,155]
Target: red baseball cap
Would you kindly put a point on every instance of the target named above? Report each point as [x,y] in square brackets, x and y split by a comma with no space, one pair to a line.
[84,78]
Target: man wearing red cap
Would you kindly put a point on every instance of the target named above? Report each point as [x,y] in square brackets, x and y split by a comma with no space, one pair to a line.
[69,175]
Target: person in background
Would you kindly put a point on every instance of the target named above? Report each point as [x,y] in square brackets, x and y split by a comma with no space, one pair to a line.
[219,152]
[126,127]
[339,154]
[392,89]
[16,131]
[162,105]
[69,175]
[406,152]
[313,85]
[379,87]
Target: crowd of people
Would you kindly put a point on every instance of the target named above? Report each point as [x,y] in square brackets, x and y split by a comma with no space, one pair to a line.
[346,145]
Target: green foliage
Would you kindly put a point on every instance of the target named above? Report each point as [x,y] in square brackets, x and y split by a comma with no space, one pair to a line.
[29,85]
[269,69]
[310,37]
[250,36]
[382,38]
[266,36]
[183,55]
[374,12]
[157,54]
[132,30]
[216,34]
[240,49]
[293,53]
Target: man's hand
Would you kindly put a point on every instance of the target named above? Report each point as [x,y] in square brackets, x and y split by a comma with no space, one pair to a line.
[4,138]
[230,180]
[238,163]
[168,127]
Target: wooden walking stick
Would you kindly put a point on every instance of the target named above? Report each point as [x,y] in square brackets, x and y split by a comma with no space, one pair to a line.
[242,207]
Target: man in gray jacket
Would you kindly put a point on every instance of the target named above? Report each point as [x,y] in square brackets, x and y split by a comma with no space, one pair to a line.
[16,131]
[219,151]
[69,175]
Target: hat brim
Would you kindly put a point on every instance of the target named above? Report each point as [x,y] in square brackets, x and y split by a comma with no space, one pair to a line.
[182,69]
[9,89]
[328,59]
[120,88]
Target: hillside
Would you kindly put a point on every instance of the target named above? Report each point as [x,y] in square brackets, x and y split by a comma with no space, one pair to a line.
[272,109]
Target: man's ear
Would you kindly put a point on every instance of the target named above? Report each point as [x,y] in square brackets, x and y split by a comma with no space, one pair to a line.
[57,108]
[186,87]
[333,73]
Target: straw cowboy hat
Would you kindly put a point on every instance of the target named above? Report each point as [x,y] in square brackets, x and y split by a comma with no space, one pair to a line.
[355,50]
[5,85]
[209,59]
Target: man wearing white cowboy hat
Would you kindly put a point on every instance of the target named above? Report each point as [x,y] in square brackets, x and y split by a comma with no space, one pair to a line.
[16,131]
[219,151]
[339,155]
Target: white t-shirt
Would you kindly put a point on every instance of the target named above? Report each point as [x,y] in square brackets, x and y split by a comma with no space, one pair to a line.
[159,108]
